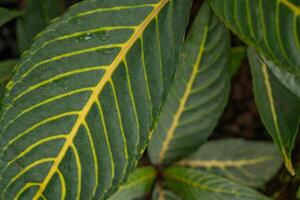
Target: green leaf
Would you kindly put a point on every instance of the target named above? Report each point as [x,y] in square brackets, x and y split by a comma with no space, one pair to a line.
[192,184]
[7,15]
[37,16]
[271,26]
[279,108]
[80,106]
[298,193]
[139,184]
[237,55]
[160,193]
[251,163]
[6,68]
[199,92]
[289,80]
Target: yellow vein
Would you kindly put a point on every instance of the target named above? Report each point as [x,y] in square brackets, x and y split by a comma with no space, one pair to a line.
[23,171]
[96,168]
[274,116]
[120,122]
[26,187]
[53,118]
[66,55]
[98,89]
[137,182]
[223,163]
[63,184]
[45,102]
[183,101]
[291,6]
[98,10]
[106,138]
[57,77]
[136,117]
[79,172]
[30,148]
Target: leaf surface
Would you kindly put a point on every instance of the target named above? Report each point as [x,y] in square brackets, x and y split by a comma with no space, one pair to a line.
[138,185]
[289,80]
[278,107]
[80,105]
[271,26]
[251,163]
[192,184]
[198,94]
[7,15]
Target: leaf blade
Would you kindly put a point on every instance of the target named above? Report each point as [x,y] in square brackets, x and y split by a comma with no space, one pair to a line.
[83,99]
[7,15]
[187,100]
[193,184]
[250,163]
[280,116]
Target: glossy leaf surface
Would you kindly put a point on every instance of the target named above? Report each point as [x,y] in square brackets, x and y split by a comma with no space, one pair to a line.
[193,184]
[271,26]
[198,94]
[250,163]
[289,80]
[79,108]
[279,108]
[138,185]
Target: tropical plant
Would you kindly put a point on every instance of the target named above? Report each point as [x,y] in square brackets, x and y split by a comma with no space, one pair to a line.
[108,77]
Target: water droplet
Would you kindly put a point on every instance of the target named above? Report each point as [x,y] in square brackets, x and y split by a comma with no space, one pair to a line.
[85,37]
[103,35]
[65,85]
[106,51]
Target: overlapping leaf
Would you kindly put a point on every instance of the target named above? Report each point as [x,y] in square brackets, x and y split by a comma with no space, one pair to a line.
[271,26]
[251,163]
[37,16]
[199,92]
[79,108]
[289,80]
[139,184]
[193,184]
[279,108]
[7,15]
[6,68]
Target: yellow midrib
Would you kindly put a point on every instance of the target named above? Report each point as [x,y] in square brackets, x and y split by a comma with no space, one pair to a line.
[183,101]
[268,86]
[222,164]
[97,90]
[291,6]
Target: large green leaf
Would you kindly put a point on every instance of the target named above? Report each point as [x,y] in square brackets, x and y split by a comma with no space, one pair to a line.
[279,108]
[193,184]
[6,68]
[251,163]
[139,184]
[79,108]
[199,92]
[37,16]
[7,15]
[160,193]
[289,80]
[271,26]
